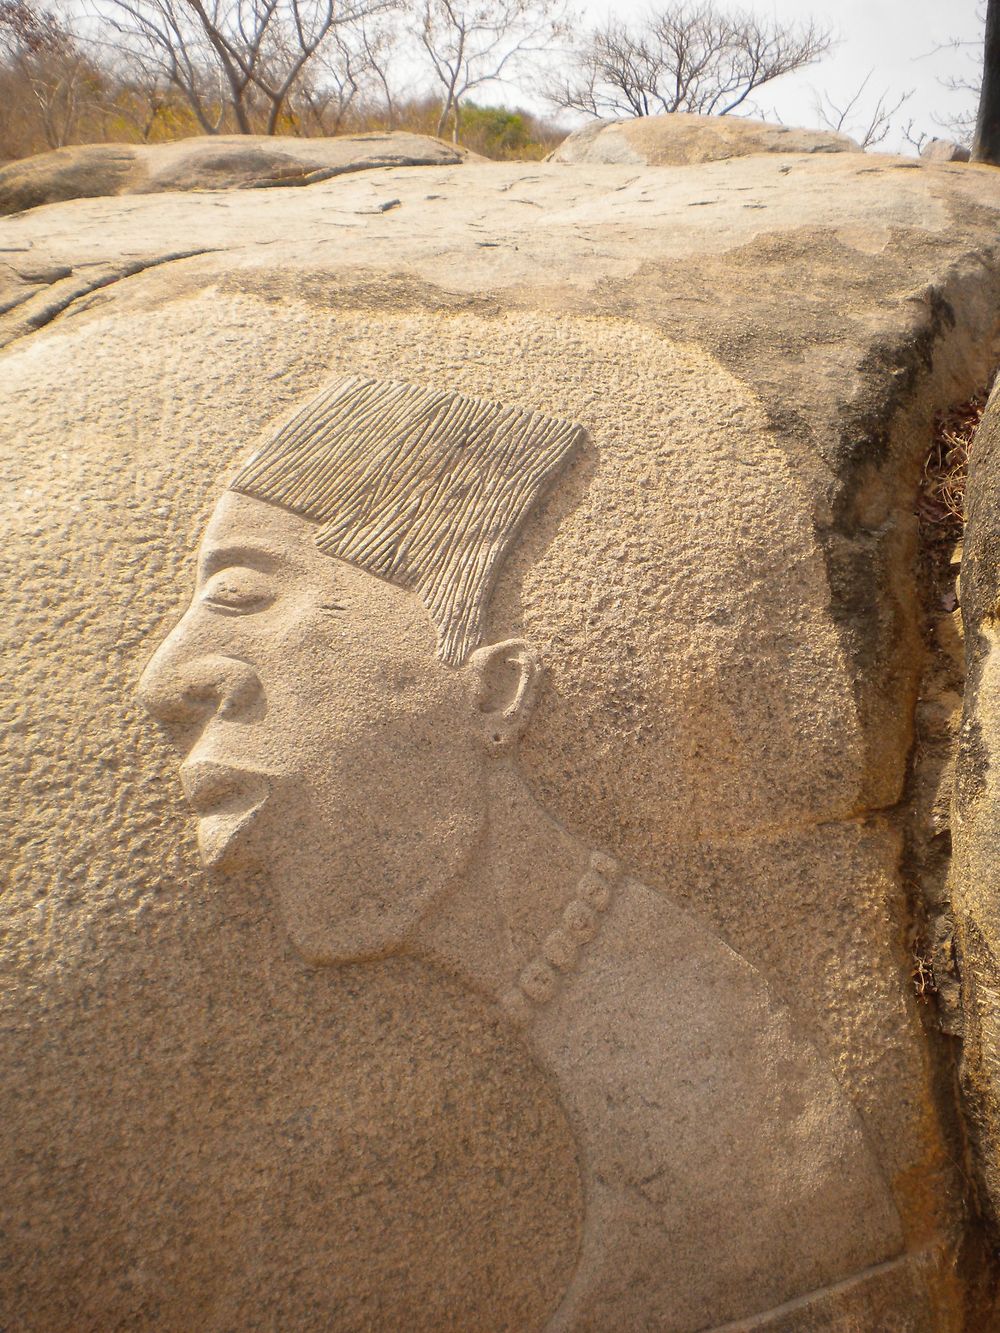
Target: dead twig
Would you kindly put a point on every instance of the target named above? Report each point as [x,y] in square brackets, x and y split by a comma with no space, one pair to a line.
[946,468]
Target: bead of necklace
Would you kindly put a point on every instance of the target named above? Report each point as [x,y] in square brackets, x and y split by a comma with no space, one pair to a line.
[561,951]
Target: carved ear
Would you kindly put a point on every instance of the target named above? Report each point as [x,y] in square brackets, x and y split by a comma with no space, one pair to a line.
[505,677]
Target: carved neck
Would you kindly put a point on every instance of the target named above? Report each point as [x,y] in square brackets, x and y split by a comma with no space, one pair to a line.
[520,878]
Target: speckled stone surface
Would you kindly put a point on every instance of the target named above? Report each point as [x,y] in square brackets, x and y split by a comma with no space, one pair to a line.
[209,1129]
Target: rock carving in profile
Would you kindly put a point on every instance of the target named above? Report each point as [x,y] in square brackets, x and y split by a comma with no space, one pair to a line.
[347,723]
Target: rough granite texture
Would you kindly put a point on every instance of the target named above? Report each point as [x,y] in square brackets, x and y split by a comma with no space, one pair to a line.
[206,1130]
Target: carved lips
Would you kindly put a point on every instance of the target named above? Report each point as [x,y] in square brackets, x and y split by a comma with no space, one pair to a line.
[226,800]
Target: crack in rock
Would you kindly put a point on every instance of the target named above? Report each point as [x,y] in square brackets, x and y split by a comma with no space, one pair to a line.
[53,300]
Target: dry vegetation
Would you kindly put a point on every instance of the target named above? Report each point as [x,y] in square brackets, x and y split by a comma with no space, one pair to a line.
[149,70]
[940,512]
[942,490]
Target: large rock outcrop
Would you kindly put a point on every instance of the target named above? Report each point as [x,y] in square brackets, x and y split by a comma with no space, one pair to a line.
[682,139]
[575,987]
[214,162]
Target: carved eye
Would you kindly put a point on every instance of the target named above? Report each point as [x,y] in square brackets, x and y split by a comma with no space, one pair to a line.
[237,591]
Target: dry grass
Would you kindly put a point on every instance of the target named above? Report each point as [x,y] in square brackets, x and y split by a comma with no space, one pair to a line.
[946,468]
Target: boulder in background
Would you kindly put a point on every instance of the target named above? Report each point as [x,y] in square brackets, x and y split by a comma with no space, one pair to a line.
[680,139]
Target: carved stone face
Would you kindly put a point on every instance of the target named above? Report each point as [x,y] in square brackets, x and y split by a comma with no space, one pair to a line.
[322,737]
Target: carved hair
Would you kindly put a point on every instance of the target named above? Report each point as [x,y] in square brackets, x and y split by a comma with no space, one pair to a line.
[423,488]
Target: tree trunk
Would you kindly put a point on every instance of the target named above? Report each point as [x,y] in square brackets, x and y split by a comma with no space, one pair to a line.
[243,125]
[986,143]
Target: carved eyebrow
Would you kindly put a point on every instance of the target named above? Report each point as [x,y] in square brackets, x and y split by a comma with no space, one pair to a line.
[214,558]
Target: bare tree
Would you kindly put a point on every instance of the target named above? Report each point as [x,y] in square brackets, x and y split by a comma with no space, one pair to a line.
[869,127]
[326,94]
[163,40]
[23,28]
[65,87]
[472,42]
[986,140]
[55,74]
[691,56]
[237,60]
[351,80]
[914,137]
[297,38]
[959,124]
[348,77]
[380,46]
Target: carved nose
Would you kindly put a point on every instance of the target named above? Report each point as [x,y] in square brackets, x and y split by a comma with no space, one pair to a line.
[199,688]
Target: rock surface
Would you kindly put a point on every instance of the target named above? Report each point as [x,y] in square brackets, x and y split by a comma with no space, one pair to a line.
[222,162]
[944,150]
[212,1124]
[977,804]
[681,139]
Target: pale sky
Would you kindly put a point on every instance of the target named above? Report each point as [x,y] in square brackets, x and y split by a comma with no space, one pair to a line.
[899,42]
[895,39]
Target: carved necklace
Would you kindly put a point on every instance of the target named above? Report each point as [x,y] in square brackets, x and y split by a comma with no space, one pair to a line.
[560,954]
